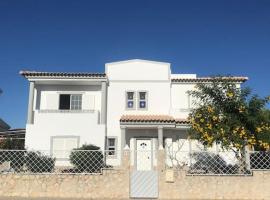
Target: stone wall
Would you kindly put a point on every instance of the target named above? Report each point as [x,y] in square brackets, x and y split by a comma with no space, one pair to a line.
[256,186]
[112,184]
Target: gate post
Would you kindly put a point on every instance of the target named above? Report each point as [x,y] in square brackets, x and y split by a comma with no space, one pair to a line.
[161,160]
[125,161]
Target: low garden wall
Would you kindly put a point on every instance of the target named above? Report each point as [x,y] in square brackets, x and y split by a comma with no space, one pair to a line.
[112,184]
[252,187]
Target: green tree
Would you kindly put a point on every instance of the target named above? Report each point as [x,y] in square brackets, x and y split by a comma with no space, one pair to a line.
[229,116]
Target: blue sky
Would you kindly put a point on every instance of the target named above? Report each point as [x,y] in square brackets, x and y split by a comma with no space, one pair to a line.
[203,37]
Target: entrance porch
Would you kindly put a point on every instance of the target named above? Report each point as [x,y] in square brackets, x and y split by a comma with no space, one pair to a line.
[146,135]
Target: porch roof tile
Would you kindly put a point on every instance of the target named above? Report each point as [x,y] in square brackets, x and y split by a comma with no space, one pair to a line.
[152,118]
[181,121]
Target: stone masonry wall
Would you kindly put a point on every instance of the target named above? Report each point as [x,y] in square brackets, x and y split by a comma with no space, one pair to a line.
[253,187]
[112,184]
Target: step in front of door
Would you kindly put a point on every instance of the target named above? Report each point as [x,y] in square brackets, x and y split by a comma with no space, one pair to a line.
[144,184]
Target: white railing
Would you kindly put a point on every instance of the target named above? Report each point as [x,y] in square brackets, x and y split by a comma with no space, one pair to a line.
[64,111]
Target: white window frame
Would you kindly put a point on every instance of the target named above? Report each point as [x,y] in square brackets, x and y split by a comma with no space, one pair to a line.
[134,100]
[77,101]
[115,147]
[146,100]
[70,99]
[63,137]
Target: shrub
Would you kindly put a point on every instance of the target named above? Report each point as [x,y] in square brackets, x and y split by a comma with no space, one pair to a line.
[88,158]
[38,163]
[12,143]
[209,163]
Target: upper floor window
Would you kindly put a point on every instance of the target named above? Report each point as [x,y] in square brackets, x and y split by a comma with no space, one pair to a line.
[70,102]
[142,101]
[130,99]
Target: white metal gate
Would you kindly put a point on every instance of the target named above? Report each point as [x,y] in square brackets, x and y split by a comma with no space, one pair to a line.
[144,179]
[144,184]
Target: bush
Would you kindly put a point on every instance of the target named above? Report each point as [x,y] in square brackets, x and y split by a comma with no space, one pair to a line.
[12,143]
[38,163]
[88,158]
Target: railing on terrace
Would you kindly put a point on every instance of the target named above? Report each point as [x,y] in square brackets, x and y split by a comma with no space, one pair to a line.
[218,163]
[74,161]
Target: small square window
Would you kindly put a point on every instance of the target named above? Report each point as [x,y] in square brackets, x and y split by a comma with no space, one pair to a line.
[142,104]
[111,146]
[142,95]
[130,98]
[111,141]
[130,104]
[142,100]
[130,95]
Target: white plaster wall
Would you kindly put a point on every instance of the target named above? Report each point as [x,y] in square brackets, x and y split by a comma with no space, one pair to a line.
[138,70]
[181,101]
[85,125]
[136,75]
[158,102]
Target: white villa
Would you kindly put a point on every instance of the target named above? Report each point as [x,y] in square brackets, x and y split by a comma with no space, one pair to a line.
[135,104]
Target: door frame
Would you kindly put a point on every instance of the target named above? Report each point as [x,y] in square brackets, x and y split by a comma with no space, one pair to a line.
[135,148]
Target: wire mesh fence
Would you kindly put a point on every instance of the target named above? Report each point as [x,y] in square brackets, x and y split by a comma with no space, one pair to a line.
[260,160]
[74,161]
[94,161]
[211,162]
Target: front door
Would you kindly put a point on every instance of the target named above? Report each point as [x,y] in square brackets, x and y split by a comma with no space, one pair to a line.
[144,155]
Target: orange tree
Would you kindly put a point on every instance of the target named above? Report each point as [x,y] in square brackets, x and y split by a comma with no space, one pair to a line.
[227,115]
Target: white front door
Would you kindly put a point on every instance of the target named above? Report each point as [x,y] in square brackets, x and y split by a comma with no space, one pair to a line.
[144,154]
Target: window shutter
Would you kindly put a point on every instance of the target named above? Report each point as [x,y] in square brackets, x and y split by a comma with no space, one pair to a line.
[88,102]
[52,101]
[62,146]
[58,147]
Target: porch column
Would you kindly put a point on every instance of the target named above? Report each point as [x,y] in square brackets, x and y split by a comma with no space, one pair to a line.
[30,111]
[160,137]
[103,102]
[124,144]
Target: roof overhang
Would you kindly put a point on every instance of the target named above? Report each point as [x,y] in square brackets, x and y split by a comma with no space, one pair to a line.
[233,79]
[153,121]
[65,78]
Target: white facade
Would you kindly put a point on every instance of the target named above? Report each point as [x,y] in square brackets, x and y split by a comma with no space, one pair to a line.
[103,101]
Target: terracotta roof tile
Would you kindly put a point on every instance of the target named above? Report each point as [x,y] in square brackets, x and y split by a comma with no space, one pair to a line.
[31,74]
[182,121]
[152,118]
[211,79]
[147,118]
